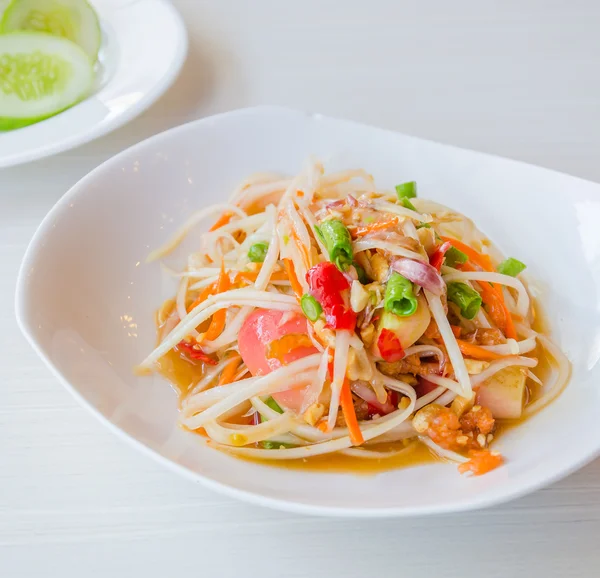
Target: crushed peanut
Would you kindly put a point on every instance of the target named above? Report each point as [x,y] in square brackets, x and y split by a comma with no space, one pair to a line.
[408,378]
[380,267]
[326,336]
[314,413]
[475,366]
[460,405]
[238,439]
[367,334]
[404,403]
[359,297]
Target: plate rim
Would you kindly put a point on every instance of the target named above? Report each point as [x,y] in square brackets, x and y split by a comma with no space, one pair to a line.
[475,503]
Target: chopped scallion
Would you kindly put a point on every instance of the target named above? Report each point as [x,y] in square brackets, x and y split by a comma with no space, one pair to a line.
[407,204]
[311,307]
[258,252]
[407,190]
[455,257]
[511,267]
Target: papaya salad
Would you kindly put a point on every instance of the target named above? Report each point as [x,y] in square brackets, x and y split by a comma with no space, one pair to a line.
[323,315]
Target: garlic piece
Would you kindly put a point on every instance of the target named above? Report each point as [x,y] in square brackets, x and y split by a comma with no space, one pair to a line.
[359,297]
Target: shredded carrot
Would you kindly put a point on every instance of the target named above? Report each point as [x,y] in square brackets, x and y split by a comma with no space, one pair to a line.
[222,221]
[291,272]
[482,260]
[304,253]
[380,226]
[208,291]
[432,331]
[217,323]
[456,330]
[494,299]
[251,276]
[322,426]
[228,373]
[476,352]
[356,436]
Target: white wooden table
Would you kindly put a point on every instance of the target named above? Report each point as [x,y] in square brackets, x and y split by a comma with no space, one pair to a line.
[517,78]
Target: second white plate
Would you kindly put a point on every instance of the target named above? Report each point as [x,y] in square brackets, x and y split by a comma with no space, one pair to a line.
[144,45]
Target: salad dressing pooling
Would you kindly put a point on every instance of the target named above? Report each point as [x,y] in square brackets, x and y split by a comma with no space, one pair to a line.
[324,317]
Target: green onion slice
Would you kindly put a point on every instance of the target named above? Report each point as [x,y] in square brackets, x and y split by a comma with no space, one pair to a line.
[455,257]
[258,252]
[511,267]
[406,190]
[311,307]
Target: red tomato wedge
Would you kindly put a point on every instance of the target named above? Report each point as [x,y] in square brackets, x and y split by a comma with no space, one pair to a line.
[261,329]
[424,386]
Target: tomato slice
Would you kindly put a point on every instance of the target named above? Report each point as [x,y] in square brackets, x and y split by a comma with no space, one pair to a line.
[261,329]
[424,386]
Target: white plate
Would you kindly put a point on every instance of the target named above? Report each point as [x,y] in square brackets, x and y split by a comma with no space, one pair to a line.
[85,297]
[144,44]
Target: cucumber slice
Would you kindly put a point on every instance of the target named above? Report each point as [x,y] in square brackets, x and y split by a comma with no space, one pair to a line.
[72,19]
[40,76]
[3,6]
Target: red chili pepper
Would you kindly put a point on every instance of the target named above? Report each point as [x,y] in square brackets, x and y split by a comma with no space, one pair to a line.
[437,258]
[194,353]
[332,290]
[389,346]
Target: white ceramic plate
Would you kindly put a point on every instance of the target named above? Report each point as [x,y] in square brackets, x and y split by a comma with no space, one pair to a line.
[144,44]
[85,297]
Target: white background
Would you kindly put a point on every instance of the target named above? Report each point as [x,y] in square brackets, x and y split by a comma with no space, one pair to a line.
[519,78]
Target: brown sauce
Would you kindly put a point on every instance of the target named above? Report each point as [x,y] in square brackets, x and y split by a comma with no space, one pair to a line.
[181,373]
[337,462]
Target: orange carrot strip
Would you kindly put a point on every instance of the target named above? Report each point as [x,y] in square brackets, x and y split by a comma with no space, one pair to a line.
[482,260]
[303,251]
[494,299]
[476,352]
[251,276]
[511,332]
[202,297]
[223,220]
[381,226]
[356,436]
[322,426]
[291,272]
[228,373]
[456,330]
[217,323]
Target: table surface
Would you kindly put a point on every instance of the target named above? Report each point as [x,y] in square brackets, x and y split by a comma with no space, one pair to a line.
[514,78]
